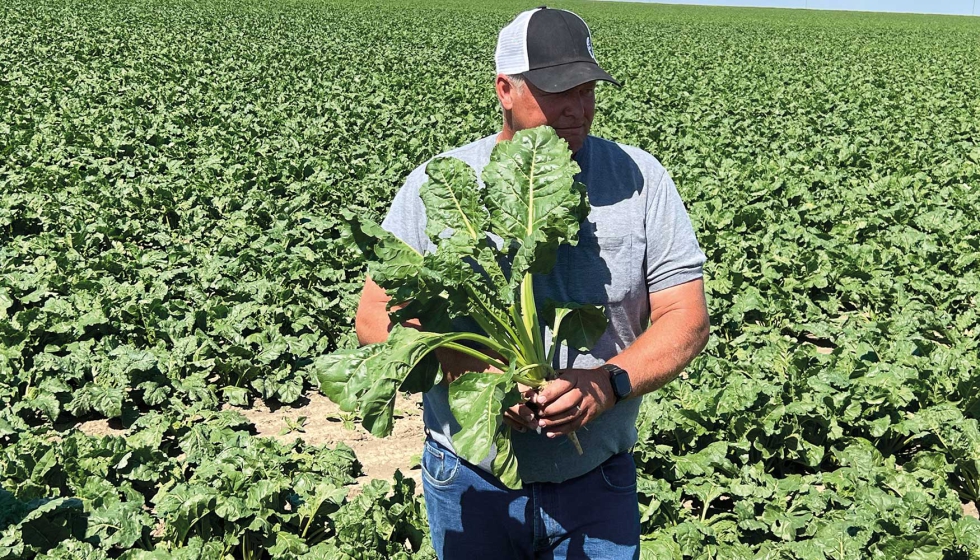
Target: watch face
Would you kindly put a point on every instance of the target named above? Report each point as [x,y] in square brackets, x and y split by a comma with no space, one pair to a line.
[620,381]
[621,384]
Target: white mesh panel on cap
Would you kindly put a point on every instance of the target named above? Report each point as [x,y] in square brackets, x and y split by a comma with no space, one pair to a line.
[511,54]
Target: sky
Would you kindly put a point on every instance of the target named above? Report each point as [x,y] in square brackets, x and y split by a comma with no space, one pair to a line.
[961,7]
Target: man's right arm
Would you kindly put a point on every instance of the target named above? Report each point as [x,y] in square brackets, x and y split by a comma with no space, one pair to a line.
[371,322]
[372,325]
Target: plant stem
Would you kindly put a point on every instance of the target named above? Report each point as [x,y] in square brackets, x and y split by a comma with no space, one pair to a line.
[475,354]
[496,319]
[554,338]
[531,316]
[310,520]
[571,435]
[704,510]
[524,343]
[479,339]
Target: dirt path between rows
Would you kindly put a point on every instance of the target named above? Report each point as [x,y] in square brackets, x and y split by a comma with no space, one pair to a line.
[325,424]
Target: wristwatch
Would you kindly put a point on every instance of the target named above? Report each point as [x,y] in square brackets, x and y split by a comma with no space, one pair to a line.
[620,381]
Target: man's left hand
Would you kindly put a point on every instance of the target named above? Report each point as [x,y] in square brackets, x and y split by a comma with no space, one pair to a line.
[574,399]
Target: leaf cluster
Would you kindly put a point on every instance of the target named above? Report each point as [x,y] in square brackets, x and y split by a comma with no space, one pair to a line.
[490,239]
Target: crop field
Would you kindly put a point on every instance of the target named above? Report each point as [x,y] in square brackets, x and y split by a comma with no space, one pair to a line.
[172,176]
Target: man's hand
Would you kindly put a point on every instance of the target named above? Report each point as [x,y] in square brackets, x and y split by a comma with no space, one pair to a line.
[574,399]
[520,416]
[678,332]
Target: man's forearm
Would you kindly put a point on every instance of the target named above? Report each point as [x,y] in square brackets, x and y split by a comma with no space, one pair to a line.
[678,331]
[454,364]
[373,324]
[664,350]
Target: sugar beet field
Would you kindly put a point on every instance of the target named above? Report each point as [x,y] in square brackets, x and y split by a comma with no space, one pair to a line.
[172,176]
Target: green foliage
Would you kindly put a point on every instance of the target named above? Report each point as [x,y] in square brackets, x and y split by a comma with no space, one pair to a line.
[194,481]
[173,178]
[40,525]
[384,521]
[532,204]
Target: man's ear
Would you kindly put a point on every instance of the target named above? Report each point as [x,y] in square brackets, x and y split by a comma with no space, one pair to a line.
[505,92]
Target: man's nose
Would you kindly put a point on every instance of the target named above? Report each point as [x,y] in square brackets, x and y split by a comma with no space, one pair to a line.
[574,104]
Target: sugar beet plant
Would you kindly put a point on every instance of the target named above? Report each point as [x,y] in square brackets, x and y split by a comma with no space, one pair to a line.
[530,204]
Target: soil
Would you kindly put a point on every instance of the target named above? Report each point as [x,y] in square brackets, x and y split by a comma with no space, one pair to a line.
[325,425]
[970,508]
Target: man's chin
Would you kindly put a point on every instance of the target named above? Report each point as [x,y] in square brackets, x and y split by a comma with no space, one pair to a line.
[574,139]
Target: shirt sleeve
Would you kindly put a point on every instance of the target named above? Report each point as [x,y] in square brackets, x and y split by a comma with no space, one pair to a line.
[673,254]
[406,218]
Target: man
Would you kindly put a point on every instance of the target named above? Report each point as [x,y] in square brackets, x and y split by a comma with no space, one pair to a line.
[637,256]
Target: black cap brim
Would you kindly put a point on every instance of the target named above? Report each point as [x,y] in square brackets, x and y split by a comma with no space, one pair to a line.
[563,77]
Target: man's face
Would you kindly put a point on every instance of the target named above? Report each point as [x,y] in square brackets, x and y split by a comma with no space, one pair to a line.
[569,112]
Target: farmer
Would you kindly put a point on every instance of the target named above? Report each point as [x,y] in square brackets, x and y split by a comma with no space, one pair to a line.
[637,256]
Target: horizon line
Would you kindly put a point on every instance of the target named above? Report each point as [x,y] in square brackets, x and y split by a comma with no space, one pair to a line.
[805,6]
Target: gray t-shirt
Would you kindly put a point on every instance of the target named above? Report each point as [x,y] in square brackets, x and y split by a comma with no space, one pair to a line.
[636,240]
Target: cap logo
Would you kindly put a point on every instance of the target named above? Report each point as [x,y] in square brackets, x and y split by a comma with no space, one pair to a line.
[588,45]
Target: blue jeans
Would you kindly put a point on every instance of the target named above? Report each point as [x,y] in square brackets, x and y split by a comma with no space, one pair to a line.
[472,516]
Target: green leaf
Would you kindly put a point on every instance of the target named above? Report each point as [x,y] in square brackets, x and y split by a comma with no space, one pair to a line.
[452,203]
[391,259]
[423,376]
[5,303]
[967,531]
[367,380]
[477,401]
[433,312]
[155,393]
[504,464]
[344,375]
[128,359]
[238,396]
[185,510]
[11,509]
[324,499]
[92,397]
[119,525]
[580,325]
[47,403]
[52,521]
[288,544]
[74,550]
[661,548]
[533,198]
[289,390]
